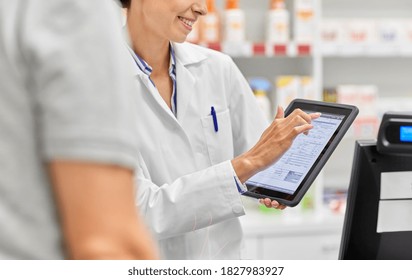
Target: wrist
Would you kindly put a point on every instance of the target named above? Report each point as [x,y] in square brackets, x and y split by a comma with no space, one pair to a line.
[244,167]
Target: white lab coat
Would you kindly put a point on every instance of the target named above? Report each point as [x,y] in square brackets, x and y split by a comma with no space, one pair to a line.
[185,180]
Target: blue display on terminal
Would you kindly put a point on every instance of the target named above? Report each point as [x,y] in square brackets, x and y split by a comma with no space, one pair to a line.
[406,133]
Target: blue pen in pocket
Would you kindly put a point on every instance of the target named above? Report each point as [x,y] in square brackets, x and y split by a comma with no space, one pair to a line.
[213,113]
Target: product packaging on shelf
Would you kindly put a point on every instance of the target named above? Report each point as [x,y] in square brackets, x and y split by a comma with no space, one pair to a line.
[234,38]
[234,23]
[210,25]
[287,89]
[330,95]
[307,88]
[277,23]
[292,87]
[371,36]
[261,88]
[389,37]
[331,36]
[389,31]
[360,34]
[406,47]
[304,25]
[365,98]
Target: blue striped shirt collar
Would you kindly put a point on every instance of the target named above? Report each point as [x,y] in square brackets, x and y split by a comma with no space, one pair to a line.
[172,67]
[172,74]
[147,69]
[143,66]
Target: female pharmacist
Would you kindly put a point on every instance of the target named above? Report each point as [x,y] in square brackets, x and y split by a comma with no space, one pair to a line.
[200,133]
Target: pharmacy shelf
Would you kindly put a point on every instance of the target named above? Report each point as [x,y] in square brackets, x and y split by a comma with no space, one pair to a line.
[255,16]
[386,66]
[374,51]
[366,8]
[273,67]
[248,49]
[391,75]
[292,49]
[292,236]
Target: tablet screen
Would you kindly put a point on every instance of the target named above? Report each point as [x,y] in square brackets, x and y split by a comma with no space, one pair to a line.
[287,173]
[290,177]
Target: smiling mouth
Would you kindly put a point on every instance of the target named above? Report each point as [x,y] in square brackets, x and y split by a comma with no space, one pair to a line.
[186,21]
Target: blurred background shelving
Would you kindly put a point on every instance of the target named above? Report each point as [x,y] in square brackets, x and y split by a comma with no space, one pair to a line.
[360,53]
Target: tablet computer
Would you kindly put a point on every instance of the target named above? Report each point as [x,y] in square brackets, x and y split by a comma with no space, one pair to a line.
[287,180]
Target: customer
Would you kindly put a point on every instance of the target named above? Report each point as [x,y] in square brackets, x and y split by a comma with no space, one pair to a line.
[199,129]
[67,129]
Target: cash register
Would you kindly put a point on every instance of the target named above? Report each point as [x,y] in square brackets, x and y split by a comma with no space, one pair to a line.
[378,217]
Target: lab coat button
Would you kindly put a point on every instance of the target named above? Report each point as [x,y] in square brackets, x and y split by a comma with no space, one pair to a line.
[237,209]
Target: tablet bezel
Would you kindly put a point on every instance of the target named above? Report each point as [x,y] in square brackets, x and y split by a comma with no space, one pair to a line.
[349,111]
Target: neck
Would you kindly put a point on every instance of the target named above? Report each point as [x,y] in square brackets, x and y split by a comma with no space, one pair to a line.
[149,46]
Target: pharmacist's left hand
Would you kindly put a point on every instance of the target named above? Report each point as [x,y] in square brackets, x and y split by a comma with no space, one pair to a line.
[272,204]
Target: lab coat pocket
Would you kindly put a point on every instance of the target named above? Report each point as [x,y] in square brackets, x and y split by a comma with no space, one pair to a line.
[218,135]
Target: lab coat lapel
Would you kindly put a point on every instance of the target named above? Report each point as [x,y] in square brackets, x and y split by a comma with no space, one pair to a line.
[186,86]
[186,81]
[155,95]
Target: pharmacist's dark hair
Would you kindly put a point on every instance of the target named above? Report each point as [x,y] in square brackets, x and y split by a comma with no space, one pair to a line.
[125,3]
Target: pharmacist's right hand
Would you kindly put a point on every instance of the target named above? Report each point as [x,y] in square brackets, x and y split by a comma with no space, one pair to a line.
[273,143]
